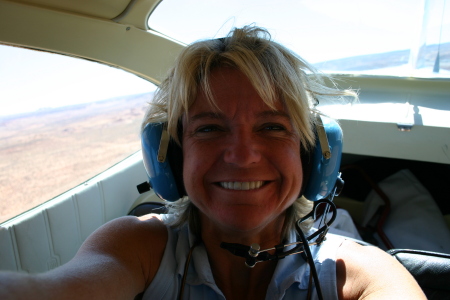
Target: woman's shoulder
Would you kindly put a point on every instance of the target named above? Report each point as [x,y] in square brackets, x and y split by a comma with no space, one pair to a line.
[146,227]
[147,234]
[142,239]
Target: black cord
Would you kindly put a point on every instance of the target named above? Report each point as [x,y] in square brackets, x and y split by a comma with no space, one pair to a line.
[310,260]
[243,250]
[324,229]
[309,295]
[186,268]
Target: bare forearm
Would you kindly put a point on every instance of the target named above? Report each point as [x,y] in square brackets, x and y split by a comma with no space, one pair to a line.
[18,286]
[75,280]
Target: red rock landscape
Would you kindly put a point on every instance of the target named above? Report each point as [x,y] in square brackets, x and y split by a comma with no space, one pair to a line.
[44,154]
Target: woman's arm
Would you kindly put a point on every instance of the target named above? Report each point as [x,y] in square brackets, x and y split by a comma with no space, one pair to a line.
[118,261]
[365,272]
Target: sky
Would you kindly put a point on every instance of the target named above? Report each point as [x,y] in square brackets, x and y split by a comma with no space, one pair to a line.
[319,29]
[32,80]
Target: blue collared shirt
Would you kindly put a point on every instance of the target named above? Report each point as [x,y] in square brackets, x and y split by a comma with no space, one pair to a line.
[290,279]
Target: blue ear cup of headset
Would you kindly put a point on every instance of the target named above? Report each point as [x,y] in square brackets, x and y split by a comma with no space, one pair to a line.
[164,176]
[324,161]
[320,177]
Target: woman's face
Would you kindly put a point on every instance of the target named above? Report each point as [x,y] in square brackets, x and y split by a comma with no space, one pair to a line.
[242,165]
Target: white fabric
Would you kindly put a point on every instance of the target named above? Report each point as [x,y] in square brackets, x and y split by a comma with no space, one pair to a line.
[342,225]
[415,221]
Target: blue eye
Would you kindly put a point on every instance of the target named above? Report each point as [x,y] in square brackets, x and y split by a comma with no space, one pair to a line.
[274,127]
[208,128]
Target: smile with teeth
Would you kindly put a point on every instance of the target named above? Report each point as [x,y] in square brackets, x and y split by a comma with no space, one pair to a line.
[242,186]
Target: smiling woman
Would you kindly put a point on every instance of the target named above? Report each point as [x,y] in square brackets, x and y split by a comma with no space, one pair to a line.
[241,111]
[246,231]
[244,142]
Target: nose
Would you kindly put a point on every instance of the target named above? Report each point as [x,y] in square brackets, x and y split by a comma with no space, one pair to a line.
[242,149]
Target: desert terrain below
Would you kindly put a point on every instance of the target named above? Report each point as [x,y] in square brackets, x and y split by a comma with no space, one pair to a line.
[46,153]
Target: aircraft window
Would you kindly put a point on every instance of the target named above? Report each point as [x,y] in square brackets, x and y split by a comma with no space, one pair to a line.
[62,121]
[384,37]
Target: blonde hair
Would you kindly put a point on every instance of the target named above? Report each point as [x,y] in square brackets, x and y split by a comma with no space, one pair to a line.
[275,72]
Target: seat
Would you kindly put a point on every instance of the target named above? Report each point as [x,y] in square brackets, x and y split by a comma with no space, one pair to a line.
[148,208]
[430,269]
[147,203]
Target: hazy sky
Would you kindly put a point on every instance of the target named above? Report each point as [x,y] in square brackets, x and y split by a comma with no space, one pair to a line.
[318,29]
[31,80]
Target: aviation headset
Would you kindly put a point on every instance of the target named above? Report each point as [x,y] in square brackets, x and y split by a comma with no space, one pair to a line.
[163,161]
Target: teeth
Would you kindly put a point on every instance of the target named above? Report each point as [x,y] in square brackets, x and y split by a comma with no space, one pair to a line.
[242,185]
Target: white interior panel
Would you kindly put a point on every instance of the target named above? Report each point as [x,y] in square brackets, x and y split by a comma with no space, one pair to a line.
[33,244]
[117,201]
[7,251]
[50,234]
[144,53]
[90,205]
[422,143]
[64,229]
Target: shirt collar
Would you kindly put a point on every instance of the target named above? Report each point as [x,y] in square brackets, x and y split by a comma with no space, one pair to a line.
[290,270]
